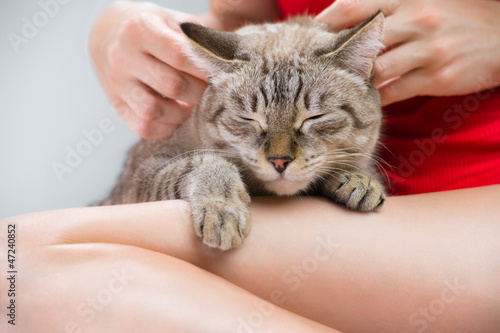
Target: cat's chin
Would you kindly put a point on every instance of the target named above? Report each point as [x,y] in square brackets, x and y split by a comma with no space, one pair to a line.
[284,186]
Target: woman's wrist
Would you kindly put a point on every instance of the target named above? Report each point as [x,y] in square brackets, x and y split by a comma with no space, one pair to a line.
[216,20]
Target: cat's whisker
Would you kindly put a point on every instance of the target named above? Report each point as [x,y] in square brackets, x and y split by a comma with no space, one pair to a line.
[386,148]
[377,160]
[333,173]
[328,170]
[349,165]
[370,156]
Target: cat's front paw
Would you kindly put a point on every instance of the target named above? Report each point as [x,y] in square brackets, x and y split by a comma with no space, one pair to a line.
[223,223]
[356,191]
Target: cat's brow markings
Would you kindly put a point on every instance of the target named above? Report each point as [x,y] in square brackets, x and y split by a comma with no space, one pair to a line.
[285,82]
[299,90]
[358,124]
[322,99]
[254,103]
[216,114]
[329,128]
[279,93]
[236,128]
[239,101]
[263,91]
[307,103]
[264,69]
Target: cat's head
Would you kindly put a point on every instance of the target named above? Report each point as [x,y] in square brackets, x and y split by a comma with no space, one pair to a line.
[294,100]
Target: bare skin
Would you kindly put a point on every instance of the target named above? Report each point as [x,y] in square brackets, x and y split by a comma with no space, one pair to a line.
[418,262]
[423,263]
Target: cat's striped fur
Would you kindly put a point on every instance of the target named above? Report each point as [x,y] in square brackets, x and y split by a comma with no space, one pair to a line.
[290,108]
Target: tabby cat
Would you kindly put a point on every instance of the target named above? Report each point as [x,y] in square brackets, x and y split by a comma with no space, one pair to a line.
[290,109]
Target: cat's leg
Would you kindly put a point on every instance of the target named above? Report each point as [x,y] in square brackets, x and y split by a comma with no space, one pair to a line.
[217,195]
[355,190]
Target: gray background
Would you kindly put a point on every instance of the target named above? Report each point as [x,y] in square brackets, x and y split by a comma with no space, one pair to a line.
[49,95]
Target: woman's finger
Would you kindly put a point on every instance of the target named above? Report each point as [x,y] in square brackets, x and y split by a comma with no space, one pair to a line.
[343,14]
[167,81]
[396,31]
[414,83]
[151,107]
[400,61]
[148,114]
[166,45]
[145,129]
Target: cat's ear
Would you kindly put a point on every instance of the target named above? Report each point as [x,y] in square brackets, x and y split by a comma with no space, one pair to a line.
[211,49]
[356,49]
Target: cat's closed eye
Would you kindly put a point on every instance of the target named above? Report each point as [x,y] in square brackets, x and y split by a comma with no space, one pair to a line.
[317,116]
[246,119]
[308,120]
[258,123]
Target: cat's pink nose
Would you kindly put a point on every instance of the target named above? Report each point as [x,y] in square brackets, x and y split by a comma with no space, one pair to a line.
[280,163]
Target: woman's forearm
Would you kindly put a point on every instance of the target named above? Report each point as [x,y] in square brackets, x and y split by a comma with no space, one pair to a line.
[418,257]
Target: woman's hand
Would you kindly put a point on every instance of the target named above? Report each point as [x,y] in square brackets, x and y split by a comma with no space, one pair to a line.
[434,47]
[136,49]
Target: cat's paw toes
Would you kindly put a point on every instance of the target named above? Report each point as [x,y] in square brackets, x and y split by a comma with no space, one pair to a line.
[357,191]
[222,224]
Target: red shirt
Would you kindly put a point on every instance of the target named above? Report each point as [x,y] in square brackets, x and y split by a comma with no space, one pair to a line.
[434,143]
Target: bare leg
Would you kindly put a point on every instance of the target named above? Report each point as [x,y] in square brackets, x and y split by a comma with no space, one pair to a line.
[123,289]
[426,262]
